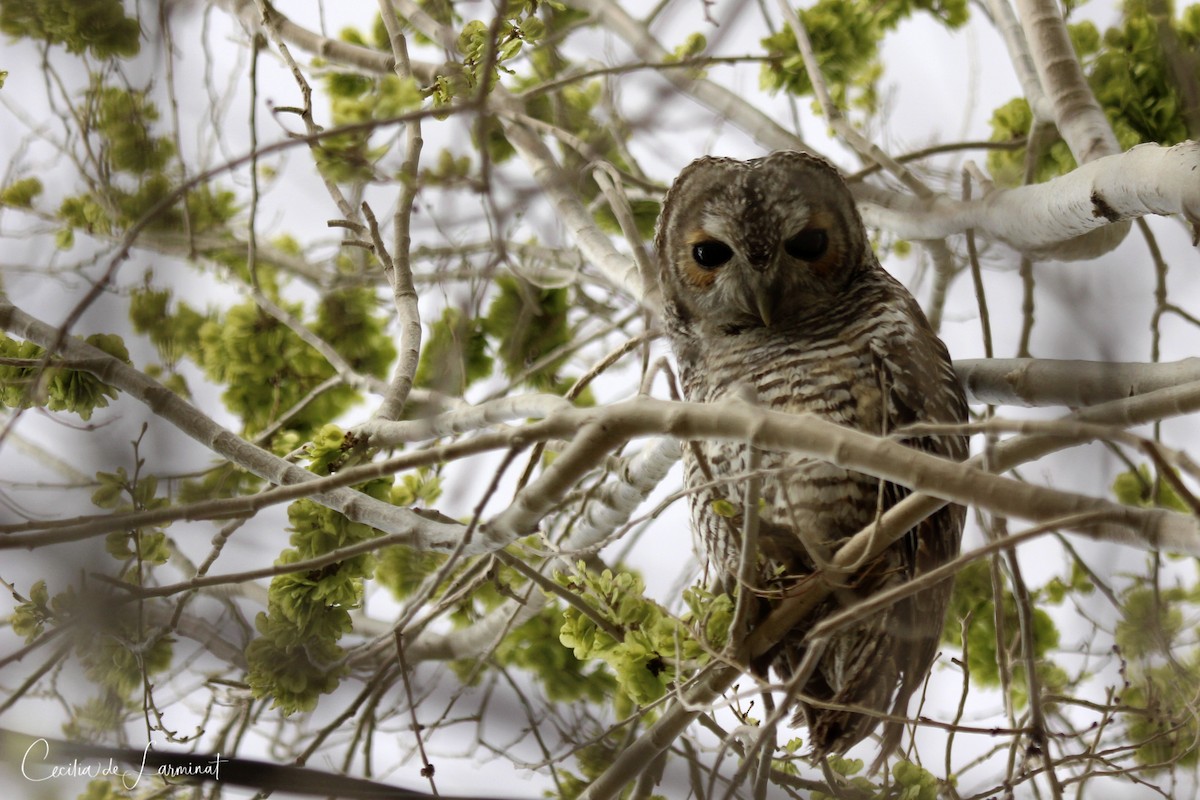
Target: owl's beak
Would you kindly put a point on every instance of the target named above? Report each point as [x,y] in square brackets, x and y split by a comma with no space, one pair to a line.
[764,303]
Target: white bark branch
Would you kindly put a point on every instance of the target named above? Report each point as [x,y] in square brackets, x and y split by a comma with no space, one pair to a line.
[598,431]
[1078,116]
[333,50]
[1049,382]
[385,433]
[595,245]
[1009,26]
[1147,179]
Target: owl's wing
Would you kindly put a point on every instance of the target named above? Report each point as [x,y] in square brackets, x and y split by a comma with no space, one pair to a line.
[918,384]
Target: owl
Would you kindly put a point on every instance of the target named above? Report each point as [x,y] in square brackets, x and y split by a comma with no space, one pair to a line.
[770,287]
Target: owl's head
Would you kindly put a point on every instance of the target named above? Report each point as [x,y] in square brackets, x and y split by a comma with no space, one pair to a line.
[759,243]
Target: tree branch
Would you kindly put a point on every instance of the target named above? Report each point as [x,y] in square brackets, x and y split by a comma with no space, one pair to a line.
[1147,179]
[190,420]
[1050,382]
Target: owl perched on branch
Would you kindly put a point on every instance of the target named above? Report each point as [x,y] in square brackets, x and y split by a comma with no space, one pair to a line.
[770,287]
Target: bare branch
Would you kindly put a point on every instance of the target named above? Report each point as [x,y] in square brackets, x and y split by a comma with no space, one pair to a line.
[1147,179]
[1049,382]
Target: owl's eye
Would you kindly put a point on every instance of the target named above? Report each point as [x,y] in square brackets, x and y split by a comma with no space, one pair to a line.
[711,255]
[807,245]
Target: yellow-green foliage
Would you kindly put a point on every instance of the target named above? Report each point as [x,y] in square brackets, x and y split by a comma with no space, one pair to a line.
[267,368]
[527,323]
[1162,668]
[645,216]
[124,121]
[1135,69]
[845,38]
[21,193]
[1143,490]
[454,354]
[973,599]
[296,657]
[97,26]
[1165,714]
[107,637]
[654,648]
[119,492]
[24,385]
[909,781]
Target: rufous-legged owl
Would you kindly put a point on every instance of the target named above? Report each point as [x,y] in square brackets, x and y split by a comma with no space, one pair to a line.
[770,287]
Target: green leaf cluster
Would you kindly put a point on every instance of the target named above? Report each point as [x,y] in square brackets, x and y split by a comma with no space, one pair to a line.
[846,37]
[1165,721]
[1154,638]
[109,640]
[692,46]
[1011,122]
[120,123]
[96,26]
[534,646]
[400,568]
[454,354]
[527,324]
[30,617]
[523,323]
[973,600]
[266,367]
[645,216]
[296,657]
[174,333]
[1139,488]
[1151,620]
[592,760]
[449,170]
[522,27]
[1138,67]
[909,781]
[1137,70]
[119,492]
[355,99]
[124,121]
[654,646]
[575,108]
[21,193]
[56,388]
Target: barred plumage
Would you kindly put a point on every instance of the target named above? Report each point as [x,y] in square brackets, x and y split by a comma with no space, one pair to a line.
[769,282]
